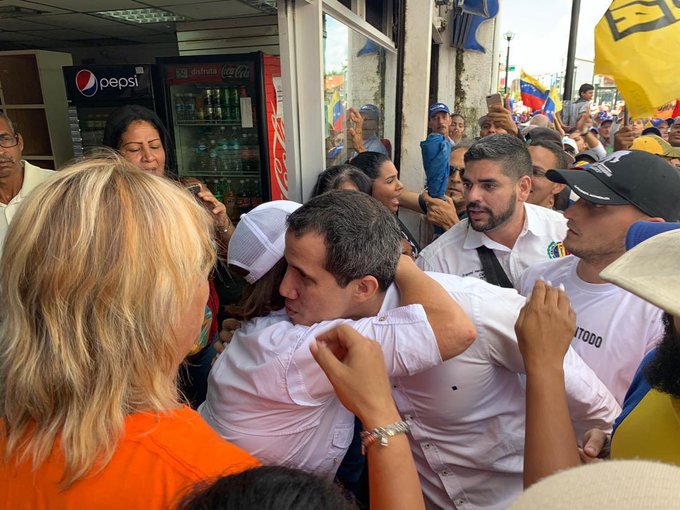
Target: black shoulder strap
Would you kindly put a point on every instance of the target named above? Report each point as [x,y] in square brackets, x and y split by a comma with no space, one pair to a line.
[493,271]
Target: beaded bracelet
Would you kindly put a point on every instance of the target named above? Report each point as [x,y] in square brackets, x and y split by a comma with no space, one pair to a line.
[381,434]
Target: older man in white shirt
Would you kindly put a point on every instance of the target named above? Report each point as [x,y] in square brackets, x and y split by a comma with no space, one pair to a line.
[17,177]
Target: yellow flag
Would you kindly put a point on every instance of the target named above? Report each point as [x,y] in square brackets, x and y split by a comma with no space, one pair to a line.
[555,96]
[636,42]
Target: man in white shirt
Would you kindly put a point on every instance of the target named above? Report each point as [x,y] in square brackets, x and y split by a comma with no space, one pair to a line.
[497,184]
[615,329]
[266,393]
[467,415]
[17,177]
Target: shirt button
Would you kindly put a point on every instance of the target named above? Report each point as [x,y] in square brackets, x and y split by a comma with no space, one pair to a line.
[460,502]
[382,319]
[445,473]
[426,445]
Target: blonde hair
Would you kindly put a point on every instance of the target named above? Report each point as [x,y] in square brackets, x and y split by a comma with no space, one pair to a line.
[98,265]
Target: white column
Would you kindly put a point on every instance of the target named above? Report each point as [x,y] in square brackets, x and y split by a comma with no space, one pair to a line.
[301,42]
[417,51]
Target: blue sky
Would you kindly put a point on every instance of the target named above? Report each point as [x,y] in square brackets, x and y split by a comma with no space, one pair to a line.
[541,29]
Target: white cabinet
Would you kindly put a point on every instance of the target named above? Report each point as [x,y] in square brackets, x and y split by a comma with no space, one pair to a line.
[33,95]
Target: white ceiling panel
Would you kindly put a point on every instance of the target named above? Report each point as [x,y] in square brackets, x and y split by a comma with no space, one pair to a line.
[59,34]
[164,3]
[120,30]
[154,39]
[16,36]
[82,21]
[19,24]
[89,5]
[213,10]
[55,8]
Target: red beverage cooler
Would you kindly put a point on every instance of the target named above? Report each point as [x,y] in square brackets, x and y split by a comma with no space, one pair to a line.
[225,113]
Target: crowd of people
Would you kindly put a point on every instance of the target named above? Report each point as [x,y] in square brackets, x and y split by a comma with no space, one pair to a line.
[530,325]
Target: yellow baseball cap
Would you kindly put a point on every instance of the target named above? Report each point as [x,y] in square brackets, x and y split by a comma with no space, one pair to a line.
[655,145]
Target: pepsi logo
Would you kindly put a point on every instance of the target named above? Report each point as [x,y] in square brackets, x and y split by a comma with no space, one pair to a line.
[86,83]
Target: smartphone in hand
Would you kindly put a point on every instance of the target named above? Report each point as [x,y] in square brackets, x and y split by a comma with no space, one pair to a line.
[194,189]
[494,100]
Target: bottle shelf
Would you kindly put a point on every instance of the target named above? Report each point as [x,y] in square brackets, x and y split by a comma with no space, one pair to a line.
[221,175]
[203,123]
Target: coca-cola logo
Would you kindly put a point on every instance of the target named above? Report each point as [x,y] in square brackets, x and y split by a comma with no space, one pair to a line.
[235,71]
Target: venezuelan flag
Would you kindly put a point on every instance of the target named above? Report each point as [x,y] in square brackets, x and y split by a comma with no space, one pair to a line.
[533,93]
[553,103]
[335,115]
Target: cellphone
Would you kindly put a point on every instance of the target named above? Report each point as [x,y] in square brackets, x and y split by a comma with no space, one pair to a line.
[494,99]
[194,189]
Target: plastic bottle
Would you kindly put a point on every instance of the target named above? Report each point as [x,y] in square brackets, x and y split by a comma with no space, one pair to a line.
[256,194]
[243,200]
[215,165]
[230,200]
[202,157]
[224,103]
[199,106]
[179,107]
[223,151]
[217,190]
[189,106]
[235,152]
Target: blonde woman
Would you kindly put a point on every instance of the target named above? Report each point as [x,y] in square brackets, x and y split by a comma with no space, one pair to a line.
[103,283]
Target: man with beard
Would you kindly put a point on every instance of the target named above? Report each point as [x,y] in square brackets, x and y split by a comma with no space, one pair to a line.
[615,329]
[648,426]
[502,235]
[17,177]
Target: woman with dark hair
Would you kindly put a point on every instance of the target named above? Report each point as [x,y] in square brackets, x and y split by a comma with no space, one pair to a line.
[386,188]
[342,177]
[139,136]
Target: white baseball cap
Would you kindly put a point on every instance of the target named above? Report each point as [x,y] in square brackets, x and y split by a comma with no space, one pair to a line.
[258,242]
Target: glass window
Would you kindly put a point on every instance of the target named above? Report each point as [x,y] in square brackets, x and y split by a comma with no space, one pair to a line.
[354,77]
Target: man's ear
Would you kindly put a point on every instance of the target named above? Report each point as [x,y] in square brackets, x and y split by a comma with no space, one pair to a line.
[365,288]
[558,187]
[523,188]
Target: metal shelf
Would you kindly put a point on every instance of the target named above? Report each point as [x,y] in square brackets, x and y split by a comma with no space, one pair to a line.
[202,123]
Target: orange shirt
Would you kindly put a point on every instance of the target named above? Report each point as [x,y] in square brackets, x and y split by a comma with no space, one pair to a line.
[156,461]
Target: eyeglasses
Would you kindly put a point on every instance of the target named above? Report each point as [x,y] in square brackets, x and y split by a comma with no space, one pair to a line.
[537,172]
[8,141]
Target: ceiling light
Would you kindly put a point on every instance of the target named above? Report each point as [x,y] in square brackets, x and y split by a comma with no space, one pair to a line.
[142,15]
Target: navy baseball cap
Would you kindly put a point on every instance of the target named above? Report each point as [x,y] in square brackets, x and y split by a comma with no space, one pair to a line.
[370,111]
[642,230]
[436,108]
[644,180]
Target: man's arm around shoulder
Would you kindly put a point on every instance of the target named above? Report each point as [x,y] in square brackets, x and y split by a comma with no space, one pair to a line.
[453,329]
